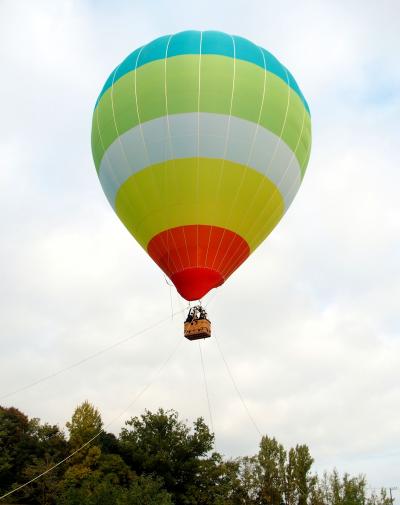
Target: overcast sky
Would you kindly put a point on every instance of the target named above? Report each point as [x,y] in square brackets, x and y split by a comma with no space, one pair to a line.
[309,325]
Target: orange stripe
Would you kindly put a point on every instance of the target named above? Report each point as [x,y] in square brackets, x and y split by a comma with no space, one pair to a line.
[198,258]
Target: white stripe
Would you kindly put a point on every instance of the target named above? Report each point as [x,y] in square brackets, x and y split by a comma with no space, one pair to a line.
[185,141]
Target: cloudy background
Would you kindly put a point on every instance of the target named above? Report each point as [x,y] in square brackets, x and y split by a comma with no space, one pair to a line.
[309,326]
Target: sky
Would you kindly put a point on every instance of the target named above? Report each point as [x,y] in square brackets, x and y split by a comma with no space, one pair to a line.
[309,326]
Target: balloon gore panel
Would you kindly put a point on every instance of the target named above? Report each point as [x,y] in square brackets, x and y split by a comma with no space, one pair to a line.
[201,141]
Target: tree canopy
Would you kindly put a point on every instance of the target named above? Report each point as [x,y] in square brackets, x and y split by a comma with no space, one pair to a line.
[159,459]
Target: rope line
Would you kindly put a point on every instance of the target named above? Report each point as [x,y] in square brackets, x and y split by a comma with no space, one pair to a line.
[123,194]
[244,171]
[89,357]
[283,177]
[141,392]
[212,296]
[167,173]
[222,166]
[268,164]
[155,185]
[258,237]
[198,154]
[237,389]
[170,295]
[206,388]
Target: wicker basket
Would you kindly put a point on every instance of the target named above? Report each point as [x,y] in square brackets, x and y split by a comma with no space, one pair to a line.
[198,328]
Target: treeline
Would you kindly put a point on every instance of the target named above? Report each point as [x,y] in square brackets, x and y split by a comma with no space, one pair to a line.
[157,459]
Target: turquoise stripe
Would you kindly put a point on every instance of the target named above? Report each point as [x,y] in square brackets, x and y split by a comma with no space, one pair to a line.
[247,51]
[217,43]
[154,51]
[185,43]
[127,65]
[212,42]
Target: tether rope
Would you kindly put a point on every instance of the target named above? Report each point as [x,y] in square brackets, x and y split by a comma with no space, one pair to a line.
[91,356]
[237,389]
[141,392]
[206,388]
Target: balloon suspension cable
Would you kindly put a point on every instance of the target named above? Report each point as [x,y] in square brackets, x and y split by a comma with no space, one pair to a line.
[170,296]
[196,312]
[170,301]
[206,389]
[167,281]
[212,297]
[135,399]
[245,407]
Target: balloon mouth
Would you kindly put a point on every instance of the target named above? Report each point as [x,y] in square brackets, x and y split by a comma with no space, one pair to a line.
[198,258]
[194,283]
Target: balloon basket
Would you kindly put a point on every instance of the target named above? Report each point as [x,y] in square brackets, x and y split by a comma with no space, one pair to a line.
[197,325]
[197,329]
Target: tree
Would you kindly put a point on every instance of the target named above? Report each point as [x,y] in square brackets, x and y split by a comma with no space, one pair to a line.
[142,491]
[83,469]
[159,460]
[17,447]
[299,463]
[50,447]
[271,471]
[160,444]
[85,424]
[320,490]
[145,491]
[27,449]
[380,499]
[332,489]
[247,491]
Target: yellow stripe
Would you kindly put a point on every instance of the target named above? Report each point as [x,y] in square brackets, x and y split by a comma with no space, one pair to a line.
[169,194]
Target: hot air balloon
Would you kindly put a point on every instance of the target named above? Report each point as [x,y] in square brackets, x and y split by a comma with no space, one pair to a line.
[200,141]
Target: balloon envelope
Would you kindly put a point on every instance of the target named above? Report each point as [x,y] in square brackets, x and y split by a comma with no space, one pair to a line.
[200,141]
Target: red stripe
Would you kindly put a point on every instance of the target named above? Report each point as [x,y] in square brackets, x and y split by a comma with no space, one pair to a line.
[198,258]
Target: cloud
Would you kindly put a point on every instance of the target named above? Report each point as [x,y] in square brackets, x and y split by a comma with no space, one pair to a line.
[309,325]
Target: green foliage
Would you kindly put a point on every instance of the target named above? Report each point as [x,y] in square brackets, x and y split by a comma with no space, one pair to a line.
[51,447]
[271,471]
[142,491]
[248,489]
[163,445]
[85,424]
[27,449]
[15,445]
[159,460]
[298,478]
[333,489]
[145,491]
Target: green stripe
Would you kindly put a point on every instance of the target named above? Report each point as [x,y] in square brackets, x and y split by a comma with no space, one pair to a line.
[215,97]
[207,42]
